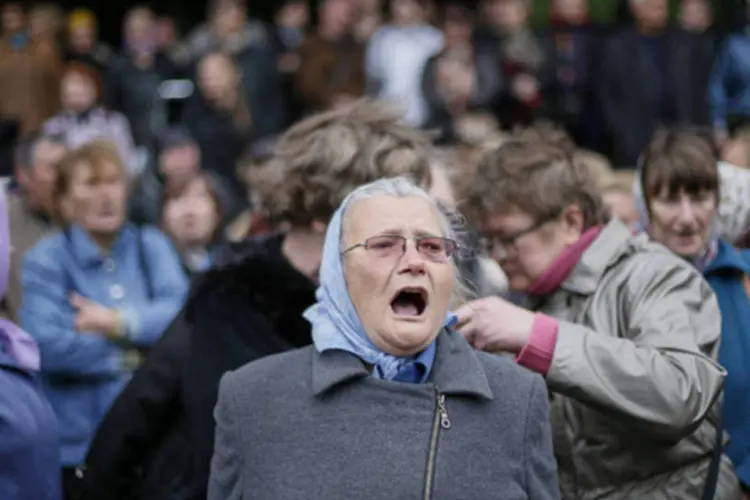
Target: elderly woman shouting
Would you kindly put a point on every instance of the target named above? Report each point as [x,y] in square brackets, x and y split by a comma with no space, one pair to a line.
[389,402]
[625,332]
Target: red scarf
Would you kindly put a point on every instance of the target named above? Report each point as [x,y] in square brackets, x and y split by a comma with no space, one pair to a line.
[561,268]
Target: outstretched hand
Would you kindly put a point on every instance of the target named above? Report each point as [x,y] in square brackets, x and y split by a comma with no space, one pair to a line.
[495,325]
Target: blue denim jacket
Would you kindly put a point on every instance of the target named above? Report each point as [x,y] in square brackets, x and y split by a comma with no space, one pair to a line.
[83,372]
[729,88]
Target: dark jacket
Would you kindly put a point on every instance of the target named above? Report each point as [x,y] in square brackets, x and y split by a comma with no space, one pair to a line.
[637,95]
[318,426]
[156,442]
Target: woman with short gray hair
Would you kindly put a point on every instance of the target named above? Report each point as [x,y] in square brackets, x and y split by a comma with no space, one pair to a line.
[389,402]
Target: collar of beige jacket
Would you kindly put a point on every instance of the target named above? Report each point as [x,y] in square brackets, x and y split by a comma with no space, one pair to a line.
[603,253]
[456,370]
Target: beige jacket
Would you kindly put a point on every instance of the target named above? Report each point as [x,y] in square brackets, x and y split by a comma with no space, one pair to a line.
[634,375]
[26,230]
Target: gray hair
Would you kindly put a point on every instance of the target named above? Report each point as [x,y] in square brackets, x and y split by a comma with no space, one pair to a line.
[25,151]
[452,226]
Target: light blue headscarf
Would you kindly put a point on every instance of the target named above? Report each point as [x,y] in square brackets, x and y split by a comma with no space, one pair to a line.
[335,323]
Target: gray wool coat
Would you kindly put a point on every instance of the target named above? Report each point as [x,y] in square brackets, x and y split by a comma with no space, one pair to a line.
[310,426]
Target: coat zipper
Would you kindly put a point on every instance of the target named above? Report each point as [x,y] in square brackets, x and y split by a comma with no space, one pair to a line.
[441,420]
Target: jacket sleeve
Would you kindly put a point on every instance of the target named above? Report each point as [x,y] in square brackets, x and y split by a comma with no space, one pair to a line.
[225,482]
[541,467]
[659,373]
[140,417]
[146,323]
[717,93]
[47,315]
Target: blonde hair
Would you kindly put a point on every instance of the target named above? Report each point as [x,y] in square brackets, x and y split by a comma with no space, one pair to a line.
[323,158]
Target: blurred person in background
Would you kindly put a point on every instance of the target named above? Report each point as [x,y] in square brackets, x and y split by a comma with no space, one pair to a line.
[31,208]
[96,296]
[83,44]
[619,200]
[84,118]
[192,216]
[291,25]
[678,201]
[572,45]
[29,445]
[225,117]
[605,312]
[227,30]
[332,61]
[729,88]
[47,22]
[396,57]
[168,41]
[462,78]
[248,305]
[29,73]
[133,82]
[671,84]
[370,17]
[520,57]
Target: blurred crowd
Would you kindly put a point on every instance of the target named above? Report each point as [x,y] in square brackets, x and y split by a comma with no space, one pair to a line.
[157,195]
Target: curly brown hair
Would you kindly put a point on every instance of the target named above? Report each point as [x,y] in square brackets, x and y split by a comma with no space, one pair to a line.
[324,157]
[536,175]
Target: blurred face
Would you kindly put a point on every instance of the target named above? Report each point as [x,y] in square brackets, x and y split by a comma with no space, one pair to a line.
[622,206]
[140,26]
[96,203]
[294,15]
[82,38]
[165,33]
[695,15]
[42,23]
[406,11]
[508,14]
[573,11]
[682,222]
[13,19]
[78,93]
[457,33]
[650,14]
[402,298]
[338,14]
[216,77]
[526,248]
[441,189]
[192,218]
[179,163]
[38,180]
[228,18]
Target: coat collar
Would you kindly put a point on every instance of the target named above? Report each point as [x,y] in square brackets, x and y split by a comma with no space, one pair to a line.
[457,370]
[85,250]
[608,248]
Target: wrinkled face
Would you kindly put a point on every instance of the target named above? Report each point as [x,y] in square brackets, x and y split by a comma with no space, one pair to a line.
[82,38]
[525,248]
[216,77]
[651,14]
[571,10]
[402,298]
[78,93]
[96,202]
[39,180]
[621,206]
[179,163]
[682,222]
[192,218]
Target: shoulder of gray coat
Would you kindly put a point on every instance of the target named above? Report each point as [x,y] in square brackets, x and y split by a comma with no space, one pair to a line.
[504,374]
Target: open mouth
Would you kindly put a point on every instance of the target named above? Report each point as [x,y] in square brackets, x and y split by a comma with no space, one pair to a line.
[410,302]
